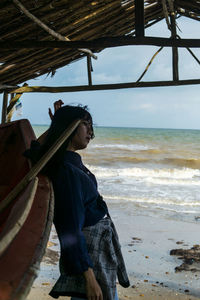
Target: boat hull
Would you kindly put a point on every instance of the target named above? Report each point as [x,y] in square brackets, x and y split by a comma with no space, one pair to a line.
[27,220]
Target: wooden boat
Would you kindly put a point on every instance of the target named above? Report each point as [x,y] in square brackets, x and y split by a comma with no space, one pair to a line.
[24,224]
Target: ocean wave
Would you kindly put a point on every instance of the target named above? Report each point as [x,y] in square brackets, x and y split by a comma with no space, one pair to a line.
[192,163]
[149,200]
[168,181]
[183,173]
[128,147]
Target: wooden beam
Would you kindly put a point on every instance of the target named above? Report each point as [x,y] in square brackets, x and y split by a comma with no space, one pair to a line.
[139,18]
[89,69]
[107,42]
[4,108]
[81,88]
[174,49]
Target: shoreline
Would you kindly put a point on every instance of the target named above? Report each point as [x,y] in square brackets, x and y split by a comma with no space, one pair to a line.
[146,244]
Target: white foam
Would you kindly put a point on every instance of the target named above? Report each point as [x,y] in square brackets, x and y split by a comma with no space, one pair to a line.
[131,147]
[150,200]
[148,174]
[169,181]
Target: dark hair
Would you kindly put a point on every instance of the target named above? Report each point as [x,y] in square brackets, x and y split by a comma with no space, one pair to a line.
[62,118]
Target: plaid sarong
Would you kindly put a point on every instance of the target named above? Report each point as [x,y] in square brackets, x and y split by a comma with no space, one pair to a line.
[108,263]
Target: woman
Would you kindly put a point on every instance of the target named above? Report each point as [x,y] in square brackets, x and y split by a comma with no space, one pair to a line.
[91,258]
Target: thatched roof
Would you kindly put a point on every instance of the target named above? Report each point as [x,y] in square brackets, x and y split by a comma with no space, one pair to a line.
[75,20]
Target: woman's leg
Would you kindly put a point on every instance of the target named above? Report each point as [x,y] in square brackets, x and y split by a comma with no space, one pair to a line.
[116,295]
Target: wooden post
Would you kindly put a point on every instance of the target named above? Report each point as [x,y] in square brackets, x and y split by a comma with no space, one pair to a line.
[89,69]
[139,18]
[174,49]
[10,112]
[4,108]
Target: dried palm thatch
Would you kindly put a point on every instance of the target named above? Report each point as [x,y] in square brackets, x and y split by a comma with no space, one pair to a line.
[70,20]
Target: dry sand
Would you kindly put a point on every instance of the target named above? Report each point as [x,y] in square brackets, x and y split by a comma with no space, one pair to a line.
[146,244]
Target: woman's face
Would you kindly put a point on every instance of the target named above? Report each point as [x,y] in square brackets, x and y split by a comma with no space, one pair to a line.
[82,136]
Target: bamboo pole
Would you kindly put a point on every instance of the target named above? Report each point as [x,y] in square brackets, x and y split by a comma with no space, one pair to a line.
[38,166]
[148,65]
[4,108]
[98,87]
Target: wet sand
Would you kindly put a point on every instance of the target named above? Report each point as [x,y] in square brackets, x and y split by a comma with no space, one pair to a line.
[146,244]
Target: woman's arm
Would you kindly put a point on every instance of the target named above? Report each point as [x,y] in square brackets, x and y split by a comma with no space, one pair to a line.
[93,289]
[57,104]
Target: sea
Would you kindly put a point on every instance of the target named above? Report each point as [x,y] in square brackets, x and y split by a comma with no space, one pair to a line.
[144,171]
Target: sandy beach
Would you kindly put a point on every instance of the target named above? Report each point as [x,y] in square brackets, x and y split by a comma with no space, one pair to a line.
[146,244]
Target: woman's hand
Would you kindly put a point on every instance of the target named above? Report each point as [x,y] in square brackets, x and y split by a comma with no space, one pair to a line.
[57,104]
[93,289]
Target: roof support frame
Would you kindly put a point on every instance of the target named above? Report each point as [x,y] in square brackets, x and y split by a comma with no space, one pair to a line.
[46,28]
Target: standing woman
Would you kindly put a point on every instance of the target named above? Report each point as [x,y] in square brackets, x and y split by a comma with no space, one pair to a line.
[91,258]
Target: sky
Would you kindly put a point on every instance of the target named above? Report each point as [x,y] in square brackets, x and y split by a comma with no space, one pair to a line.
[157,107]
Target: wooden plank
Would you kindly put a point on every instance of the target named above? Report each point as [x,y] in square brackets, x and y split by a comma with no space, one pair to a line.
[139,18]
[98,87]
[18,215]
[4,108]
[107,42]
